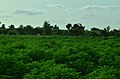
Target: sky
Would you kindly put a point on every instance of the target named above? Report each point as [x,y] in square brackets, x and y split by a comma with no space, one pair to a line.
[91,13]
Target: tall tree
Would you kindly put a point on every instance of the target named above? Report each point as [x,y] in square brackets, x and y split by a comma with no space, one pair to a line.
[3,29]
[47,28]
[55,30]
[68,26]
[3,26]
[108,28]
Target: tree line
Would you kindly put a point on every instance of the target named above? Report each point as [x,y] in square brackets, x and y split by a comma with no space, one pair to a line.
[47,29]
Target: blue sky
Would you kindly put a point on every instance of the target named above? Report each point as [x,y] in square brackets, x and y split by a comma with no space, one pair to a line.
[91,13]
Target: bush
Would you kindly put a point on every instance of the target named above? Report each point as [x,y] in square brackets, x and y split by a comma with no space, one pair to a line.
[104,73]
[50,70]
[12,32]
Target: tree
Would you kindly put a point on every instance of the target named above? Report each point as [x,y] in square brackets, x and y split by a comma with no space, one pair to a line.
[68,26]
[11,27]
[56,30]
[38,30]
[47,28]
[20,30]
[95,31]
[105,31]
[115,32]
[77,29]
[3,26]
[108,28]
[12,30]
[29,30]
[3,29]
[21,27]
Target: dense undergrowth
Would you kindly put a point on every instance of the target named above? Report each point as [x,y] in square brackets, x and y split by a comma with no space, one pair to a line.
[59,57]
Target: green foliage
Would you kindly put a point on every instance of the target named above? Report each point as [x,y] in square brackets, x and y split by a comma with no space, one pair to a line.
[50,70]
[76,29]
[47,28]
[104,73]
[81,62]
[59,57]
[39,54]
[19,46]
[12,32]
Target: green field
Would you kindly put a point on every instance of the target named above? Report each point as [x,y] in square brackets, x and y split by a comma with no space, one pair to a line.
[59,57]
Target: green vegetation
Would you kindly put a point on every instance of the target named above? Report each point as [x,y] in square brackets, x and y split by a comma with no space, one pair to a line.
[59,57]
[47,29]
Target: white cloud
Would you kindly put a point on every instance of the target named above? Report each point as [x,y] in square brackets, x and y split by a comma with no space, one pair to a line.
[91,15]
[56,5]
[100,7]
[6,16]
[60,6]
[29,12]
